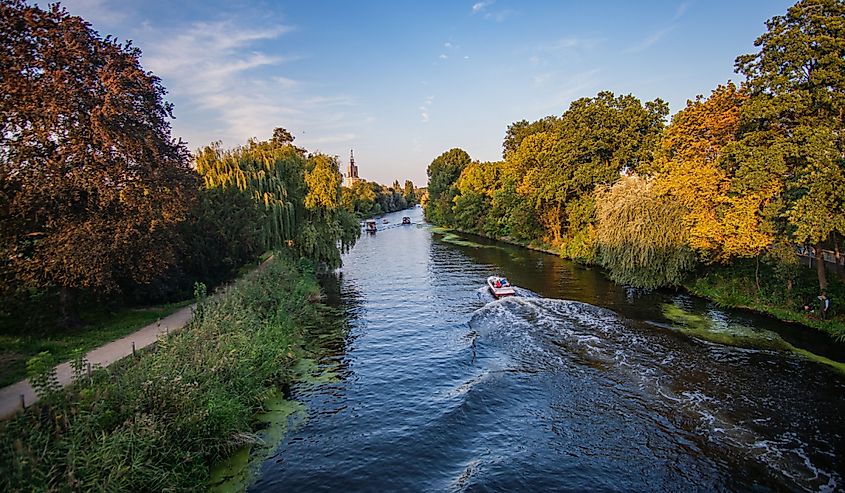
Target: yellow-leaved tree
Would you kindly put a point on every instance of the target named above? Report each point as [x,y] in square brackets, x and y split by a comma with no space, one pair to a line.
[723,211]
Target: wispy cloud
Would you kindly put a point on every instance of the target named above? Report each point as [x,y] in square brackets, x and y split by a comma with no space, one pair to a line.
[650,41]
[681,10]
[101,13]
[218,69]
[425,108]
[481,6]
[443,56]
[658,35]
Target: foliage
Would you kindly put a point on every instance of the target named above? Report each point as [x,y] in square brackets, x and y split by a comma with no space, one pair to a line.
[725,198]
[271,173]
[443,172]
[221,233]
[367,199]
[330,229]
[299,196]
[639,238]
[91,182]
[156,424]
[794,116]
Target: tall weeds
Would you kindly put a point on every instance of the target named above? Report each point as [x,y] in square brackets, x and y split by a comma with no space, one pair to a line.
[157,421]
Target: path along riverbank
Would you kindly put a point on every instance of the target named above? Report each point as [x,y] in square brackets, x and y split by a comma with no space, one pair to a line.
[18,396]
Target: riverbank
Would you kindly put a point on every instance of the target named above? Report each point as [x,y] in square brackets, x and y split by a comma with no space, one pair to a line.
[160,420]
[725,289]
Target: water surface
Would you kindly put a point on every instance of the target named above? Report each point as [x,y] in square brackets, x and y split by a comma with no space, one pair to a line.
[579,385]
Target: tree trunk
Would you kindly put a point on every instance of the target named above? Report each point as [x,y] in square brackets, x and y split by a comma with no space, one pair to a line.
[68,316]
[820,267]
[837,256]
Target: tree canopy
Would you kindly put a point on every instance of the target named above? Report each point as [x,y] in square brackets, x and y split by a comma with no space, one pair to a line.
[91,181]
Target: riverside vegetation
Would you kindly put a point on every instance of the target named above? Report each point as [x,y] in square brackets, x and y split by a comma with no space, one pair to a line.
[100,206]
[158,421]
[716,201]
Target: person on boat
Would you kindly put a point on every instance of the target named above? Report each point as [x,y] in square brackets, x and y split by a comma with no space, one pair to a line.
[498,283]
[505,283]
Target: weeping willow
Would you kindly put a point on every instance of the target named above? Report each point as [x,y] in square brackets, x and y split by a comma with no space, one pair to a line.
[300,196]
[271,173]
[640,235]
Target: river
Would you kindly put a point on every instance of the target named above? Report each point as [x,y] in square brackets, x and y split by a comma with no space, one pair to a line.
[578,385]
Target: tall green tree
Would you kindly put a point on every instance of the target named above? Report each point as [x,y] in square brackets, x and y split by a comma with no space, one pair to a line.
[91,182]
[795,115]
[410,193]
[329,228]
[272,173]
[591,143]
[443,172]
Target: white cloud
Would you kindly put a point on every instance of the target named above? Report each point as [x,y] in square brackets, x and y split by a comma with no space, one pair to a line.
[650,41]
[424,109]
[100,13]
[681,10]
[443,56]
[447,45]
[499,16]
[481,6]
[233,88]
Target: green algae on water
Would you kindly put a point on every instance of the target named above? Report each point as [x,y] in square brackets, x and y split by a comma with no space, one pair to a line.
[237,472]
[729,334]
[738,335]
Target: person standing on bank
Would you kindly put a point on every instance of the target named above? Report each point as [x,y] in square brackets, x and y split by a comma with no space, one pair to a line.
[824,307]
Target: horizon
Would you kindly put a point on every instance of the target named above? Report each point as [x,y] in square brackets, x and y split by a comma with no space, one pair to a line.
[402,83]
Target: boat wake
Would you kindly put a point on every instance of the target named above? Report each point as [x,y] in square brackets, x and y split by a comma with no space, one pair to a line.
[690,384]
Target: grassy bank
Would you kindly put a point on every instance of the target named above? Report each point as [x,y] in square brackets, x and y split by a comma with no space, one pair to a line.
[737,287]
[103,326]
[159,421]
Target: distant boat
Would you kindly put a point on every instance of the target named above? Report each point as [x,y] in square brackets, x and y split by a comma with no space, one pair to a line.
[384,221]
[370,226]
[500,287]
[406,220]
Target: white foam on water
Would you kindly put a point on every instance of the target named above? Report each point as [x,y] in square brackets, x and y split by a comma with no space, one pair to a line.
[539,332]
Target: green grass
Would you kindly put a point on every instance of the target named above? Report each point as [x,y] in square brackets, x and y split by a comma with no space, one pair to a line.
[733,292]
[159,421]
[102,326]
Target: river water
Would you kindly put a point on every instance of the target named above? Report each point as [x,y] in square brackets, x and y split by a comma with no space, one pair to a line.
[577,385]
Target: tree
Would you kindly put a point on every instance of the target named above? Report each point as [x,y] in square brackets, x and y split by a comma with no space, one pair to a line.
[443,172]
[795,115]
[638,236]
[91,182]
[329,229]
[703,170]
[410,193]
[272,173]
[589,145]
[474,192]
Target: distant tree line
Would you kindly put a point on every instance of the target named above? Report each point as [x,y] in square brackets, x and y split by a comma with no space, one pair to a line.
[98,201]
[737,178]
[367,198]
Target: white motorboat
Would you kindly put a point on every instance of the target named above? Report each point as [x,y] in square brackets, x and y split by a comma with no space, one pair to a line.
[500,287]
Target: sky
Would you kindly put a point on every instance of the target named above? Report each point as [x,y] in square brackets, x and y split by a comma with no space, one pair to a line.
[401,82]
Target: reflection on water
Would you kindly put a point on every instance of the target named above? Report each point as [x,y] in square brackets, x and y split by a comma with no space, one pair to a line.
[577,385]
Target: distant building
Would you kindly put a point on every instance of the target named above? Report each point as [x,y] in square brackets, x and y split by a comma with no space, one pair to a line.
[352,172]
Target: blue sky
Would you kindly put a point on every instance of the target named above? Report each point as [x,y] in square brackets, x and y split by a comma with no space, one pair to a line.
[400,82]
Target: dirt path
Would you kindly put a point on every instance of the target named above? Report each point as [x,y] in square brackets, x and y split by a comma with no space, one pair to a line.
[10,396]
[14,397]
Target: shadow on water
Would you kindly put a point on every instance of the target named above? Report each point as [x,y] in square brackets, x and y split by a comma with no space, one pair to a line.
[578,385]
